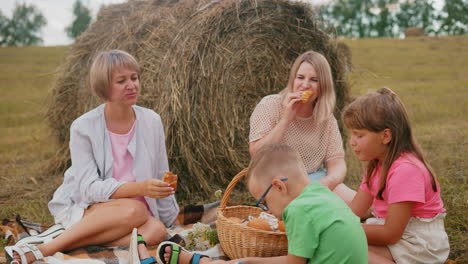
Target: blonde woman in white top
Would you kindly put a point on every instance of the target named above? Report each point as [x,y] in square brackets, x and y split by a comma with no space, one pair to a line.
[114,184]
[307,126]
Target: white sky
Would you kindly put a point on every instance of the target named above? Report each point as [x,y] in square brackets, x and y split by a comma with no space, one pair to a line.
[59,15]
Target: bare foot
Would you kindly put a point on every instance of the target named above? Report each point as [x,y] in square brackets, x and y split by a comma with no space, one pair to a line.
[143,251]
[29,256]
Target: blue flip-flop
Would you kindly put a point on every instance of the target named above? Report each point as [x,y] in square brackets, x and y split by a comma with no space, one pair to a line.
[150,260]
[175,251]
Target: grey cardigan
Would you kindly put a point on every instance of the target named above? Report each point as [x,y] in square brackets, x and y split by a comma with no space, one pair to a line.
[89,179]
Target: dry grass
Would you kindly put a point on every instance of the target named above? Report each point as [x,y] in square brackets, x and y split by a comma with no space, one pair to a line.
[26,75]
[429,74]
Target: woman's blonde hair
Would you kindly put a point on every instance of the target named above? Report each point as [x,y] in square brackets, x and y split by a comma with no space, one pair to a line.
[326,99]
[103,66]
[376,112]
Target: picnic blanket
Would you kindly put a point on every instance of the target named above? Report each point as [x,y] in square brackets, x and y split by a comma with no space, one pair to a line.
[13,230]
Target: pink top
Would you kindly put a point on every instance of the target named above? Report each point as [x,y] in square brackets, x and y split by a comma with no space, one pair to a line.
[408,180]
[123,160]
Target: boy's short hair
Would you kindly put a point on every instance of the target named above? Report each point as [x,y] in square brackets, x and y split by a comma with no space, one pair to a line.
[275,159]
[103,66]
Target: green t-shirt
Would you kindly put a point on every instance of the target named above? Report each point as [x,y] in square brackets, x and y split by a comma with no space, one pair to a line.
[322,228]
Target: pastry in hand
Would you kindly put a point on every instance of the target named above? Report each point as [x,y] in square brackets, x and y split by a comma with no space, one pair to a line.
[170,178]
[305,95]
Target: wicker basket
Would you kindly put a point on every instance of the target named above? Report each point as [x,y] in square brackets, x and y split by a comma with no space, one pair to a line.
[240,241]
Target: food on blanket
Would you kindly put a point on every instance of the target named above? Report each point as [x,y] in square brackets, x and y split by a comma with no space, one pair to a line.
[170,178]
[218,194]
[201,237]
[281,226]
[305,95]
[235,219]
[259,223]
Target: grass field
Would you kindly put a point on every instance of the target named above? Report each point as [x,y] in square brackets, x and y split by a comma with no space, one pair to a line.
[429,74]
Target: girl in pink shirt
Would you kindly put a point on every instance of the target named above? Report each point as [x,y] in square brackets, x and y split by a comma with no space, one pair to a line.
[399,184]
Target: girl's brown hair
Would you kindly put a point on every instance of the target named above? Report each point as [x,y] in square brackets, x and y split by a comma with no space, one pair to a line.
[376,112]
[326,99]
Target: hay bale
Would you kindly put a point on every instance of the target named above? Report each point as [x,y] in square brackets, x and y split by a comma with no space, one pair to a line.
[205,65]
[414,32]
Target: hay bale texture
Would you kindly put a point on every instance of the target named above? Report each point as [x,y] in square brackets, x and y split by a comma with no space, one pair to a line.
[205,65]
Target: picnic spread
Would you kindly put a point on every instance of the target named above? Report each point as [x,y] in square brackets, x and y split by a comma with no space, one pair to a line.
[196,219]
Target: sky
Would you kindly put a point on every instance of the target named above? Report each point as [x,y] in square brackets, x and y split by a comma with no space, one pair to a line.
[59,15]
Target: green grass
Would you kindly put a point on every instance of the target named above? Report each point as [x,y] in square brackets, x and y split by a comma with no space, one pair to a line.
[429,74]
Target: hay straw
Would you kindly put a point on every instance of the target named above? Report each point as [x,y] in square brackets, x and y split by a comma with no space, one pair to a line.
[205,65]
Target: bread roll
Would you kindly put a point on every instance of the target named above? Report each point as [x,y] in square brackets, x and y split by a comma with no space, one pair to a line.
[305,95]
[170,178]
[258,223]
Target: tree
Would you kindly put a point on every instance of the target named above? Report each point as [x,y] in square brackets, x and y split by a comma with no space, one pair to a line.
[23,27]
[82,20]
[417,13]
[385,18]
[361,18]
[454,18]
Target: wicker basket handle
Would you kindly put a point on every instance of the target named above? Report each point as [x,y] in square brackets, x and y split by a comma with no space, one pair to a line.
[231,185]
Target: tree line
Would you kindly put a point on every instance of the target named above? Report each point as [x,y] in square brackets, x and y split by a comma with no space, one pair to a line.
[390,18]
[26,22]
[349,18]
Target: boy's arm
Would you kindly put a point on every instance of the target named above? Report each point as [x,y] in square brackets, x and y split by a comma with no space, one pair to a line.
[361,202]
[398,215]
[289,259]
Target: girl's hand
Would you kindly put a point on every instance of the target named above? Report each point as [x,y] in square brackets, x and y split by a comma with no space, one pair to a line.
[156,189]
[290,106]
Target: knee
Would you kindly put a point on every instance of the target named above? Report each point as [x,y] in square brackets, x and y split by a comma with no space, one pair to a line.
[153,231]
[133,212]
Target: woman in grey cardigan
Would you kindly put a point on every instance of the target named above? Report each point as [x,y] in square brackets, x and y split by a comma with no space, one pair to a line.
[115,182]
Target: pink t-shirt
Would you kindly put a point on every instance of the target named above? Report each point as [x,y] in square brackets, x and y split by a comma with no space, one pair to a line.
[408,180]
[123,160]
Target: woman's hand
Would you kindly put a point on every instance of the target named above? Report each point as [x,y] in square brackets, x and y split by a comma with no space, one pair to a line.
[290,106]
[156,189]
[336,172]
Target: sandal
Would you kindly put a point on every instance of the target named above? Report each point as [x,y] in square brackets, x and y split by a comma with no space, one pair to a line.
[22,251]
[150,260]
[175,251]
[44,237]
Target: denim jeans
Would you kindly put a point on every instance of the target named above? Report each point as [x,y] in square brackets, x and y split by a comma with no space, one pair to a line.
[318,174]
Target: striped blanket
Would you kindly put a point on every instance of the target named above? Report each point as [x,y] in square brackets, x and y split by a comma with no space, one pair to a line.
[14,230]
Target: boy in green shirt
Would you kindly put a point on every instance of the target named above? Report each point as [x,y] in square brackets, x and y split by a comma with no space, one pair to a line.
[320,227]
